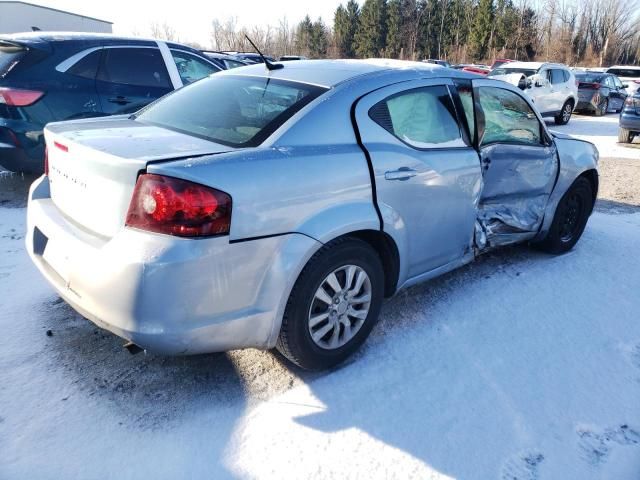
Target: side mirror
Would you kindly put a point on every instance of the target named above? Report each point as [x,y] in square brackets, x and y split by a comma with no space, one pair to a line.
[625,85]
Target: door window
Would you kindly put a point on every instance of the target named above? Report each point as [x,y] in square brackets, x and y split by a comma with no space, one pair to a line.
[422,118]
[617,82]
[134,66]
[192,68]
[556,76]
[87,66]
[508,118]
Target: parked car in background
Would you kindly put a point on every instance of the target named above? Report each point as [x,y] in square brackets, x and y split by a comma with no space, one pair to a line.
[224,61]
[552,86]
[600,93]
[250,57]
[300,236]
[442,63]
[288,58]
[629,127]
[499,62]
[629,74]
[477,69]
[46,77]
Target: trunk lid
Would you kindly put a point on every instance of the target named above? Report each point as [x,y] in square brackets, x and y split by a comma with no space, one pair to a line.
[94,165]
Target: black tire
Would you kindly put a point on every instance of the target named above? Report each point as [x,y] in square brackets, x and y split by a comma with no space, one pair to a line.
[565,114]
[570,218]
[295,341]
[602,108]
[624,135]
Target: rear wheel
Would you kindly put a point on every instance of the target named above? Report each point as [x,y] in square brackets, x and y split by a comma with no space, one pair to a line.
[333,305]
[565,114]
[570,218]
[624,135]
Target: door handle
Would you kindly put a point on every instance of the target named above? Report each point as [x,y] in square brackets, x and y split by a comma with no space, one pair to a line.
[403,173]
[120,100]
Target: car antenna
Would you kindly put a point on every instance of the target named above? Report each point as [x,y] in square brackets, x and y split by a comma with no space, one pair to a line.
[267,63]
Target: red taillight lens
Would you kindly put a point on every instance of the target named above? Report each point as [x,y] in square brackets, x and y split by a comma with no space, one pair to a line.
[178,207]
[19,98]
[46,161]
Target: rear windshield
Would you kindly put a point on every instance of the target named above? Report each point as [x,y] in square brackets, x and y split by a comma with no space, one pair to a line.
[589,77]
[10,55]
[527,72]
[232,110]
[625,72]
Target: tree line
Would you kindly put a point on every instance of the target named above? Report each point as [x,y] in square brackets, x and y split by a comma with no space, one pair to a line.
[575,32]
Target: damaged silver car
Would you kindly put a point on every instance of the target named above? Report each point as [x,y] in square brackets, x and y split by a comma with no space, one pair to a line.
[278,207]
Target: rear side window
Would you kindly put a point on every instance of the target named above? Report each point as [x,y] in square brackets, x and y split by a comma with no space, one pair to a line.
[87,67]
[508,118]
[625,72]
[192,68]
[422,118]
[231,110]
[134,66]
[557,76]
[10,55]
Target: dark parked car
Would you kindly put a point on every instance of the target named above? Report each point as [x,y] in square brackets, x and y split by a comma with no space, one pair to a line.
[288,58]
[250,57]
[442,63]
[599,92]
[46,77]
[225,61]
[630,119]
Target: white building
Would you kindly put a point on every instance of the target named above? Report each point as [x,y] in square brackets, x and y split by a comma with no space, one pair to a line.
[25,17]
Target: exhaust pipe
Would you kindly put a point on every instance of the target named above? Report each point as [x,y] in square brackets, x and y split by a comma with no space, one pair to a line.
[132,348]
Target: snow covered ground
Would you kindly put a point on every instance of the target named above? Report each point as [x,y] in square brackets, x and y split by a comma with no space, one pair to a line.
[520,366]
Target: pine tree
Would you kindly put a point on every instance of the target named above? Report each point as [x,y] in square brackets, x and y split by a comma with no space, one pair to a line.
[304,34]
[371,34]
[394,29]
[482,29]
[319,39]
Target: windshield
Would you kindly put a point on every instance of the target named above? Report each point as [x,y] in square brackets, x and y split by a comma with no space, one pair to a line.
[589,77]
[527,72]
[625,72]
[232,110]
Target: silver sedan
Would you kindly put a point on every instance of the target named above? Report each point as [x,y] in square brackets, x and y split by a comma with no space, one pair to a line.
[278,208]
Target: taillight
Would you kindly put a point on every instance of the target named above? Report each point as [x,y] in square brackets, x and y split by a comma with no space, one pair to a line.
[19,98]
[178,207]
[46,161]
[594,86]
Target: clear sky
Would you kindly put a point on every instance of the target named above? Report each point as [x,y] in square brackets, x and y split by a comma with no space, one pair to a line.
[192,18]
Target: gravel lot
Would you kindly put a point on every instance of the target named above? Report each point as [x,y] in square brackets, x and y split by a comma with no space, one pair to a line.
[520,366]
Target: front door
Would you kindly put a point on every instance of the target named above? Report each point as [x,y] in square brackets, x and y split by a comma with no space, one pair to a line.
[519,165]
[427,174]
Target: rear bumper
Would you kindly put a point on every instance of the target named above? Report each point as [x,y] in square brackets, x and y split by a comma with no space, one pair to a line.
[168,295]
[19,153]
[630,121]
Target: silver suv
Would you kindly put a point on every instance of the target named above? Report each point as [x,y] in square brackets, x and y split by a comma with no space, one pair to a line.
[277,208]
[552,86]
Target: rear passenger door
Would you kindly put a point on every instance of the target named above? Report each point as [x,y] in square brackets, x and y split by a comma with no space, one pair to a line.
[427,174]
[130,78]
[519,165]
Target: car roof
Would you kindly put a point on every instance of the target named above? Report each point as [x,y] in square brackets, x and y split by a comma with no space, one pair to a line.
[532,65]
[626,67]
[329,73]
[42,37]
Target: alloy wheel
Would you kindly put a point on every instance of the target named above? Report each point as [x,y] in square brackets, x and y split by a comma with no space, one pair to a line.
[339,307]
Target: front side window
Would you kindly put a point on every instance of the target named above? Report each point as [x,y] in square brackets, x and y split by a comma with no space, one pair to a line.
[134,66]
[617,82]
[422,118]
[192,68]
[232,110]
[508,118]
